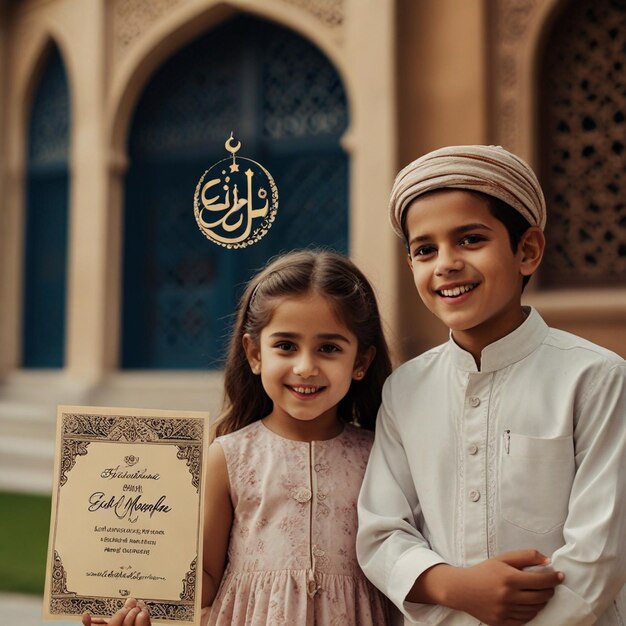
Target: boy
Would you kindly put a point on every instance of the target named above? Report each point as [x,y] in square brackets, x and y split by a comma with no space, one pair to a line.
[505,448]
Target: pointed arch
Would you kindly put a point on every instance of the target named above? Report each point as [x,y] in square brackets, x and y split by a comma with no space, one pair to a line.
[184,26]
[28,71]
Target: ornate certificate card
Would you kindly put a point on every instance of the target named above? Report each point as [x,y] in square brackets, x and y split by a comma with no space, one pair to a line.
[127,504]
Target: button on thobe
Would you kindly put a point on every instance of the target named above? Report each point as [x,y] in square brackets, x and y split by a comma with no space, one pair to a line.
[474,424]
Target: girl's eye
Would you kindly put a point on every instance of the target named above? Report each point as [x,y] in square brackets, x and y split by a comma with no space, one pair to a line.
[286,346]
[329,348]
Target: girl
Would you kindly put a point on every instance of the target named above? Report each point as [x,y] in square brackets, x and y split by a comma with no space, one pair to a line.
[303,380]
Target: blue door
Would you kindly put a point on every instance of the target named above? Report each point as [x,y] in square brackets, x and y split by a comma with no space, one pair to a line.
[286,104]
[46,225]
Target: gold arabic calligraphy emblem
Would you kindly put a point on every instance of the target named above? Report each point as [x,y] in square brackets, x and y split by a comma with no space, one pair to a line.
[236,216]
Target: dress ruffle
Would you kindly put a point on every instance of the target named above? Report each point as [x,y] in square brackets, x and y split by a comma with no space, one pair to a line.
[283,598]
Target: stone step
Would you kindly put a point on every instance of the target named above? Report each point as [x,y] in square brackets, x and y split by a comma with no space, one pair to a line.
[47,387]
[26,464]
[25,419]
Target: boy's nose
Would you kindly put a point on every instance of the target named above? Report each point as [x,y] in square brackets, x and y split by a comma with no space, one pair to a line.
[305,367]
[447,262]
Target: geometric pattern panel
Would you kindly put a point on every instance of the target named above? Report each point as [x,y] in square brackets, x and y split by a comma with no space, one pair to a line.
[313,193]
[583,145]
[188,104]
[302,95]
[331,12]
[285,102]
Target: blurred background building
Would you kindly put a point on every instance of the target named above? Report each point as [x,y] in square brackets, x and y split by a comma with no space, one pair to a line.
[110,111]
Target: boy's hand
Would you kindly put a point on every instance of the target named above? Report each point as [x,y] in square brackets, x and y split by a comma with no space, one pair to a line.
[496,591]
[133,613]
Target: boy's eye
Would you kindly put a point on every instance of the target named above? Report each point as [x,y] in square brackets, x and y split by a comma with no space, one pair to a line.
[329,348]
[423,251]
[471,239]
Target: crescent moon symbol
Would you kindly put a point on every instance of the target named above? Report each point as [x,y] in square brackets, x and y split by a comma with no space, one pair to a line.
[232,149]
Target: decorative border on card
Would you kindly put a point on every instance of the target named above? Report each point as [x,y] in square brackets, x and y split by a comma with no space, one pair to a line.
[185,434]
[64,602]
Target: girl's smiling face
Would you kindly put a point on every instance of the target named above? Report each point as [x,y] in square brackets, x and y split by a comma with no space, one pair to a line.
[463,266]
[307,359]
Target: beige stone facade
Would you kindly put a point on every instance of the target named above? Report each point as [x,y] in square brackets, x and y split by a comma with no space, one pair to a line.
[418,74]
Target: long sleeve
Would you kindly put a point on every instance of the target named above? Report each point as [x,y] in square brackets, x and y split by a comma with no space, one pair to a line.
[390,549]
[594,555]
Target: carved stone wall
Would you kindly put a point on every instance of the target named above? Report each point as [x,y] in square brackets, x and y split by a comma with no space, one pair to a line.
[132,18]
[510,22]
[330,12]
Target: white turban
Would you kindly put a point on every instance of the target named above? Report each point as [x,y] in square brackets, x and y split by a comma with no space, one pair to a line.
[491,170]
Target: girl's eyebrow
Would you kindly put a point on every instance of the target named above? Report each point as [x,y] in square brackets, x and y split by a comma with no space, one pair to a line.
[333,337]
[456,231]
[322,336]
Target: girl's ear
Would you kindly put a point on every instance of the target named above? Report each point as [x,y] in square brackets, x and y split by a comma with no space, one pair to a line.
[363,361]
[253,354]
[531,247]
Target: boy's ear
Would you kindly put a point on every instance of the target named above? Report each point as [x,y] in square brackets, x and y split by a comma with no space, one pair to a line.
[363,361]
[253,354]
[531,248]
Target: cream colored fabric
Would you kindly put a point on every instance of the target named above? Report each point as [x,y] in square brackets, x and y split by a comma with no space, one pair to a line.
[527,452]
[489,169]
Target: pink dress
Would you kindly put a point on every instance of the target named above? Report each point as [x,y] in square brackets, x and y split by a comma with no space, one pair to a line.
[292,557]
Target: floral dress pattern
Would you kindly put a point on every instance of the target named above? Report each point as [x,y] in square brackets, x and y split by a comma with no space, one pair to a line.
[292,557]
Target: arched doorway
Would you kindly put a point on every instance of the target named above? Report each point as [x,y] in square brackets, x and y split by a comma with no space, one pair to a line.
[287,105]
[46,226]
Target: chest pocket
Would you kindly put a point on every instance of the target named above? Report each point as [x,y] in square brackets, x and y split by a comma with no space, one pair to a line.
[535,481]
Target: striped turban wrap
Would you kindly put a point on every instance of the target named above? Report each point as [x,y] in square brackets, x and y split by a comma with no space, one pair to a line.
[491,170]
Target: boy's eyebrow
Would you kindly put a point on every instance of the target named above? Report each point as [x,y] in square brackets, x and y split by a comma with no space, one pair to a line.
[323,336]
[457,231]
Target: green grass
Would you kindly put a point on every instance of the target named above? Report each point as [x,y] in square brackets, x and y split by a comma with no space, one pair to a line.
[24,524]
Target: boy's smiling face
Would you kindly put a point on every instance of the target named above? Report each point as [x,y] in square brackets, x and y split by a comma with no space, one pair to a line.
[463,266]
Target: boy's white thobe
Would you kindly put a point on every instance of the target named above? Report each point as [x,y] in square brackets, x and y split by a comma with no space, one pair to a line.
[528,452]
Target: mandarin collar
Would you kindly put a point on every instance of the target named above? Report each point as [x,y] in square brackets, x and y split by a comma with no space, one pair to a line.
[500,354]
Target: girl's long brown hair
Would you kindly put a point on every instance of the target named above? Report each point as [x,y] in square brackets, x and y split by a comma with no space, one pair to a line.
[299,273]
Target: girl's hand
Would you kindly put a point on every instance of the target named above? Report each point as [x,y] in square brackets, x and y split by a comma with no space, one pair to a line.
[133,613]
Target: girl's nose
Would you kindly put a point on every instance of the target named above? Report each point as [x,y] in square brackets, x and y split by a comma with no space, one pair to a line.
[305,367]
[447,261]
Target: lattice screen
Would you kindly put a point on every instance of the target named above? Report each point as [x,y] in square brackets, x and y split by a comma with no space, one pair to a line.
[583,145]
